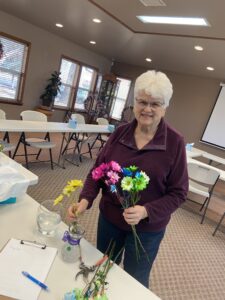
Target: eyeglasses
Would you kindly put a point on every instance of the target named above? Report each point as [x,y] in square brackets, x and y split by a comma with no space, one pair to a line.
[154,105]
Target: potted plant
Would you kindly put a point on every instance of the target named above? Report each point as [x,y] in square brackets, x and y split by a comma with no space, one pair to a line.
[51,90]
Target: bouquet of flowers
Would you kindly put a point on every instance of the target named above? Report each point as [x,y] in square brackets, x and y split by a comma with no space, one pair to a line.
[131,181]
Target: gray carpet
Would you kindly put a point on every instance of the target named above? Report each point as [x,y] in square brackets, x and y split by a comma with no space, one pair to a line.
[190,264]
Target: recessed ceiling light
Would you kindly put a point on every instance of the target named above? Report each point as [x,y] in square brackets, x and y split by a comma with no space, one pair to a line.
[148,59]
[96,20]
[210,68]
[199,48]
[174,20]
[59,25]
[92,42]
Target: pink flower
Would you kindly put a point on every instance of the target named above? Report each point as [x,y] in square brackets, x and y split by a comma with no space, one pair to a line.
[115,166]
[113,177]
[97,173]
[104,167]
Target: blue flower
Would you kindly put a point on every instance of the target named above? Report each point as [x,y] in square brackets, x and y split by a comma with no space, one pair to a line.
[127,172]
[138,174]
[112,188]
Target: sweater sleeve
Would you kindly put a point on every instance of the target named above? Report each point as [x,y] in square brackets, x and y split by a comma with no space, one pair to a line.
[177,188]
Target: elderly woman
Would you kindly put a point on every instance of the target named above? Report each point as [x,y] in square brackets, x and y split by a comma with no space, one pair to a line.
[155,148]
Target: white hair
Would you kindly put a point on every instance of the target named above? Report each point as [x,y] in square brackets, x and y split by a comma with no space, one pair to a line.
[156,84]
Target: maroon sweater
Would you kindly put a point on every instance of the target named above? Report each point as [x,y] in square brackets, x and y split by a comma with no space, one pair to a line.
[163,159]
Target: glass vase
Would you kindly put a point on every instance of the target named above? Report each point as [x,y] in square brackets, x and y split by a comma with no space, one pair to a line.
[49,217]
[71,247]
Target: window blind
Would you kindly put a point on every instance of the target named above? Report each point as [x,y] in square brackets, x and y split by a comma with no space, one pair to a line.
[12,67]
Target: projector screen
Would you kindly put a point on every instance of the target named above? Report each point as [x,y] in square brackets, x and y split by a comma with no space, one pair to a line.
[214,133]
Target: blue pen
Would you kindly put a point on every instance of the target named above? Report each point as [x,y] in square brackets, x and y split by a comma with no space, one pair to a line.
[41,284]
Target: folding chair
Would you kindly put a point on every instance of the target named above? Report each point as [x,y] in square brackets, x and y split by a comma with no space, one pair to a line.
[37,143]
[202,180]
[102,138]
[80,139]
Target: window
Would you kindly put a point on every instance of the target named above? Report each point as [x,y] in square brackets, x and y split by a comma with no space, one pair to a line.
[120,98]
[68,76]
[85,86]
[77,82]
[98,84]
[12,68]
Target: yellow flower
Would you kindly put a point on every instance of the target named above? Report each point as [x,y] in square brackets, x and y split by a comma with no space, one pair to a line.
[58,199]
[127,183]
[75,183]
[68,190]
[71,186]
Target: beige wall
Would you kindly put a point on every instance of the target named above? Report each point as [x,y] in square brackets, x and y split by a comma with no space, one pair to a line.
[190,106]
[46,50]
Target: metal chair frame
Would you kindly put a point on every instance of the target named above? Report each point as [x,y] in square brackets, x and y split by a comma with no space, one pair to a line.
[79,139]
[218,225]
[201,183]
[27,143]
[5,140]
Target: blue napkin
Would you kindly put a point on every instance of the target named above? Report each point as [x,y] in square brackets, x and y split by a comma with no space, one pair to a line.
[189,146]
[8,201]
[111,128]
[72,123]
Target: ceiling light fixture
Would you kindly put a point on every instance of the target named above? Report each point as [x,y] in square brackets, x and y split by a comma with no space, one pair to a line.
[199,48]
[59,25]
[152,2]
[148,59]
[92,42]
[210,68]
[174,20]
[96,20]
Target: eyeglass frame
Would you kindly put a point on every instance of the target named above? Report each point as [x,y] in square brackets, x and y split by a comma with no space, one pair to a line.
[153,105]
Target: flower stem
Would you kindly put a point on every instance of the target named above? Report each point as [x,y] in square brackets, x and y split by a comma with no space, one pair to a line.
[135,242]
[138,244]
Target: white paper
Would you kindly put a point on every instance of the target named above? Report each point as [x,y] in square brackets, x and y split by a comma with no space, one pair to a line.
[17,257]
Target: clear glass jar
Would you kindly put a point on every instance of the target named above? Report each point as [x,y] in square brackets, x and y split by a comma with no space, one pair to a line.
[71,247]
[49,217]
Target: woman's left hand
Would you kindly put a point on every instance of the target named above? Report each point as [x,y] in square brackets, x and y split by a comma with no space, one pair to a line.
[133,215]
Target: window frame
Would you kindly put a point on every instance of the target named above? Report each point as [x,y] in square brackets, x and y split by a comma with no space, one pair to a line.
[75,87]
[22,81]
[113,103]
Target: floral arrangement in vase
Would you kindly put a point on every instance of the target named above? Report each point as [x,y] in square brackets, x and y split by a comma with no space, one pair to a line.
[71,187]
[70,250]
[130,181]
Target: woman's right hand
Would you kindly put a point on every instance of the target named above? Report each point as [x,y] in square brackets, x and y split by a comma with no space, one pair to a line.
[76,209]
